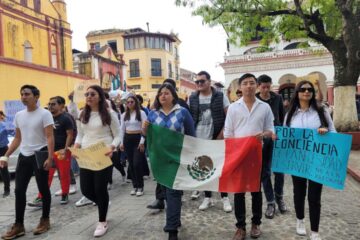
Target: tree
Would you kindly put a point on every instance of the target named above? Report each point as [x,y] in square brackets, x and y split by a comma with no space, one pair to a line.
[333,23]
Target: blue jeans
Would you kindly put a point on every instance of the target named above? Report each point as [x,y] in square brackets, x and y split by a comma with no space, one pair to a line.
[267,151]
[173,210]
[74,165]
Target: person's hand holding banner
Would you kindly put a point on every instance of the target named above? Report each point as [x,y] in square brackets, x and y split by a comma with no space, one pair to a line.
[312,154]
[93,157]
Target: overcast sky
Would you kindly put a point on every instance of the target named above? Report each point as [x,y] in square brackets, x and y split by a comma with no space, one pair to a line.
[202,47]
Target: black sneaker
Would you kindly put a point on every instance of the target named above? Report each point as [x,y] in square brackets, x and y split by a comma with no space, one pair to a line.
[157,204]
[282,206]
[64,199]
[270,211]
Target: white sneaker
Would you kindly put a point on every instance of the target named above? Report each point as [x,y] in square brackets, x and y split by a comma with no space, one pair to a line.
[226,204]
[206,204]
[146,177]
[195,195]
[140,192]
[58,192]
[72,189]
[133,192]
[83,202]
[315,236]
[101,229]
[300,227]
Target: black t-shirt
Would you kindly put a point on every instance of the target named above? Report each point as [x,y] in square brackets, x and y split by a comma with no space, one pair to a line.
[62,123]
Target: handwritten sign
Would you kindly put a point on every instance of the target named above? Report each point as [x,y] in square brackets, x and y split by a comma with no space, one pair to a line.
[305,153]
[81,87]
[11,108]
[92,157]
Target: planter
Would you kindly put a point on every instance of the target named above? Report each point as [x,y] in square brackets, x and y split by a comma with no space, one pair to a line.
[355,140]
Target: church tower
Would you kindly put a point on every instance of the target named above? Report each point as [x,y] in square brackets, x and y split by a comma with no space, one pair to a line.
[60,7]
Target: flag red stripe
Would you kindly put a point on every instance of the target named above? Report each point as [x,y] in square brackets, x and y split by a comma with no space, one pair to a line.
[242,166]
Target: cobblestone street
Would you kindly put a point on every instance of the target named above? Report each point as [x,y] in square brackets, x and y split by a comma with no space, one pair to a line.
[130,219]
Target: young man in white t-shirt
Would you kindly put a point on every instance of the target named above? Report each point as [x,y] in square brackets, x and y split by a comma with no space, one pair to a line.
[34,132]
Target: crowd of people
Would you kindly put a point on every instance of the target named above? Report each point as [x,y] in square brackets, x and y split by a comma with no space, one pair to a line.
[207,114]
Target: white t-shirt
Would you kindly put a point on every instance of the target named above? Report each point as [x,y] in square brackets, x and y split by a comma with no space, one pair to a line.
[205,126]
[31,125]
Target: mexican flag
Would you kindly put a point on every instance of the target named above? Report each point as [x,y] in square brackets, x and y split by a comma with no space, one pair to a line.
[187,163]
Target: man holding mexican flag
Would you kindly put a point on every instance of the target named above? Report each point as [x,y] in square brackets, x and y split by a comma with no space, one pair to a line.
[249,117]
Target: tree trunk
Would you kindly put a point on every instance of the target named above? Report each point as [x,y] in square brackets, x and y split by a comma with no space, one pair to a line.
[345,115]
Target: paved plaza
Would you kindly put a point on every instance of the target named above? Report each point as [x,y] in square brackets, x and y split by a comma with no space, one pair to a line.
[130,219]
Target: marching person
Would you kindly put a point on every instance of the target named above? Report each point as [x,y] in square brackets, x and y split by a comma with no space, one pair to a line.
[97,124]
[34,132]
[132,142]
[248,116]
[208,108]
[306,112]
[273,194]
[63,136]
[169,114]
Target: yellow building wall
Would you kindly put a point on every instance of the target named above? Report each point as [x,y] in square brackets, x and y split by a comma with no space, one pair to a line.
[19,28]
[144,55]
[50,84]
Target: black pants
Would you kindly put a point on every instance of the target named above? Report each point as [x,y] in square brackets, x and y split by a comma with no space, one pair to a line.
[93,185]
[314,199]
[26,166]
[135,158]
[117,164]
[5,175]
[240,209]
[160,192]
[208,194]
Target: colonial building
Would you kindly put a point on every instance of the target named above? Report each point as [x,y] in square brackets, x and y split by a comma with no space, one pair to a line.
[151,57]
[35,48]
[101,64]
[187,83]
[285,62]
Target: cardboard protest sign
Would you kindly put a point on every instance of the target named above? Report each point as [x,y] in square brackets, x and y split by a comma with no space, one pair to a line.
[93,157]
[81,87]
[305,153]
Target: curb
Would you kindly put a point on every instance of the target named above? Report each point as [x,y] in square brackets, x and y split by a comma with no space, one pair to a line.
[354,173]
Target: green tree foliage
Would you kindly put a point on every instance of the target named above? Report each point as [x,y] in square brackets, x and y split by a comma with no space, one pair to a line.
[332,23]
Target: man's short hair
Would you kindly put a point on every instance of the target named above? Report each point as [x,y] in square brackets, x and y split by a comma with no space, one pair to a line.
[219,85]
[171,82]
[264,79]
[140,98]
[207,75]
[61,100]
[246,75]
[35,91]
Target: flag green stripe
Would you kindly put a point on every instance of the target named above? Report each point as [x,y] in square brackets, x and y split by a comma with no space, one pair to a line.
[164,147]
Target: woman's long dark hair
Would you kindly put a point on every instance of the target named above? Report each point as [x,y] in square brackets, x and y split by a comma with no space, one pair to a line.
[295,104]
[157,104]
[103,111]
[137,109]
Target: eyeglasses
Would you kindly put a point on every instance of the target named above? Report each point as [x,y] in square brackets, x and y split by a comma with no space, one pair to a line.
[90,94]
[304,89]
[202,81]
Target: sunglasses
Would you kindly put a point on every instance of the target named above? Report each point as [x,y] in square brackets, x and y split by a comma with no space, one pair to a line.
[304,89]
[202,81]
[90,94]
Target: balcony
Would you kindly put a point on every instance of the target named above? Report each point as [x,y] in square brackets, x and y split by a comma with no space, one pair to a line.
[318,50]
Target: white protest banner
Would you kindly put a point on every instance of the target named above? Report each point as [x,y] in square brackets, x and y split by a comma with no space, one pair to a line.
[92,157]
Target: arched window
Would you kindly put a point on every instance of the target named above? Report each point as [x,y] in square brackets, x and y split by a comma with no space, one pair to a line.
[27,51]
